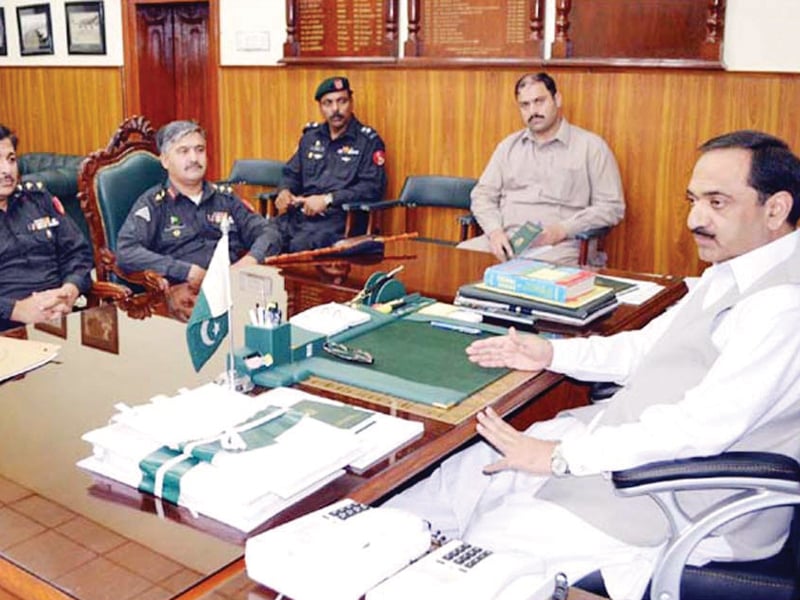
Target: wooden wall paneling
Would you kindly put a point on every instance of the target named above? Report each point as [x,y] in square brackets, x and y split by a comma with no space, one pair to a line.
[63,109]
[689,31]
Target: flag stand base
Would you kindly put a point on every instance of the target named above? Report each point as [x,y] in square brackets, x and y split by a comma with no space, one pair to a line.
[241,381]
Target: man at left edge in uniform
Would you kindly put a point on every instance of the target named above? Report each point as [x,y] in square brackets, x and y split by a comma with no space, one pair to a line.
[45,262]
[174,226]
[338,161]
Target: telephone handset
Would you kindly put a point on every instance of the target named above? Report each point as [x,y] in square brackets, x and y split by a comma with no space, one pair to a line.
[458,570]
[337,552]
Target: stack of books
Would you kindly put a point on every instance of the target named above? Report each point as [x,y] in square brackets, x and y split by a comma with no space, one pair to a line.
[240,459]
[522,291]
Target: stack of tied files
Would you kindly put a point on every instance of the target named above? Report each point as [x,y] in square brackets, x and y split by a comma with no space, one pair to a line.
[523,291]
[240,459]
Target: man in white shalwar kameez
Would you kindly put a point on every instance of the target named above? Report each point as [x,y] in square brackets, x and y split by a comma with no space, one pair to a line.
[718,372]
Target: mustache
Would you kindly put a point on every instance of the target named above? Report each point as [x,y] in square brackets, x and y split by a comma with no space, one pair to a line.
[194,164]
[337,114]
[703,232]
[535,116]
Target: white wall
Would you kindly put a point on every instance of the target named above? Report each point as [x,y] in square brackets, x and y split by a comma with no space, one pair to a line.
[762,35]
[759,35]
[60,56]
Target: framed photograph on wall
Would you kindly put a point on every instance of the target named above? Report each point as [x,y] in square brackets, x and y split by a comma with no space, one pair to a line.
[3,43]
[35,29]
[86,28]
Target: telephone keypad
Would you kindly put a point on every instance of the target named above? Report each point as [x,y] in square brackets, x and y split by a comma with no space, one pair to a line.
[466,555]
[348,510]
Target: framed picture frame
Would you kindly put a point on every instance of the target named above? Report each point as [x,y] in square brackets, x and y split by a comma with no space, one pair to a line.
[100,328]
[3,43]
[56,327]
[35,29]
[86,27]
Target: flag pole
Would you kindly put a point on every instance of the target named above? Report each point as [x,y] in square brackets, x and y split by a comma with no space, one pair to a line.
[225,226]
[236,382]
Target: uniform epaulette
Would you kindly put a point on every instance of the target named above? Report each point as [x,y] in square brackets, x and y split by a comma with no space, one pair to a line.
[223,188]
[31,186]
[159,196]
[311,125]
[369,132]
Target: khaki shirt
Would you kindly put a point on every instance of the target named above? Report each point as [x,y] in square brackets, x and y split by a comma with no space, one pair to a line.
[572,180]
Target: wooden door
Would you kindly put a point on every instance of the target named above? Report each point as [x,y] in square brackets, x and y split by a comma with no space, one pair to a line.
[171,59]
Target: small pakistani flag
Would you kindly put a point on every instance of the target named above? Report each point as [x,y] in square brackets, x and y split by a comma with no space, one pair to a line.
[208,324]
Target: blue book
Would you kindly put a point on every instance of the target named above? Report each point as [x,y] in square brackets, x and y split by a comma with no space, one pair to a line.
[539,279]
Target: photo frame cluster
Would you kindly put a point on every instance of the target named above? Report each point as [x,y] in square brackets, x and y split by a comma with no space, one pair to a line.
[85,25]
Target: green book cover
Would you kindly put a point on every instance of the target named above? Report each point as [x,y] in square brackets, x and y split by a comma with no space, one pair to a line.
[524,237]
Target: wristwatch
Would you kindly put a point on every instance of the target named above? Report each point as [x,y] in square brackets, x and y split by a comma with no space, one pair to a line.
[558,464]
[328,200]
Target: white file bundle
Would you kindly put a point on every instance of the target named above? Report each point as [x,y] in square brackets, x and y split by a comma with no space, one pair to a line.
[231,457]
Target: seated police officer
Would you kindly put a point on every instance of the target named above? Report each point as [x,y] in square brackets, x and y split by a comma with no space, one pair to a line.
[174,226]
[336,162]
[44,259]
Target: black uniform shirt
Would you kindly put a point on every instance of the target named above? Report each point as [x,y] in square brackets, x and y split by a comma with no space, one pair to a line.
[166,232]
[349,167]
[40,247]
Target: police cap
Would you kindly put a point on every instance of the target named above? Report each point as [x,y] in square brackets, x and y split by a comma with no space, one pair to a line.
[332,84]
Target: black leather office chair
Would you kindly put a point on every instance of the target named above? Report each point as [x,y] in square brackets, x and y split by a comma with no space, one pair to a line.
[262,172]
[764,480]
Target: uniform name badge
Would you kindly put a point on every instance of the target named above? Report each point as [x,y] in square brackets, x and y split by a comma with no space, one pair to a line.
[218,217]
[43,224]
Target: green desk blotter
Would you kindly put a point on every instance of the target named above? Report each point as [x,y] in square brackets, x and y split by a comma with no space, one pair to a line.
[413,360]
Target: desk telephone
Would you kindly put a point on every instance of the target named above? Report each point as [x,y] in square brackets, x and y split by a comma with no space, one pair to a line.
[337,552]
[345,549]
[461,571]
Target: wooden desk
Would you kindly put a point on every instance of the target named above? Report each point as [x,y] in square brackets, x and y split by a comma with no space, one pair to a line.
[437,271]
[64,534]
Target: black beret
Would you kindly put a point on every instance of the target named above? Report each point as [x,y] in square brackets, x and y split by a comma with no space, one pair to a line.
[332,84]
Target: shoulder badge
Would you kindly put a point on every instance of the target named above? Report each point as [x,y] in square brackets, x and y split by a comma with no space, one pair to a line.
[143,213]
[57,205]
[310,125]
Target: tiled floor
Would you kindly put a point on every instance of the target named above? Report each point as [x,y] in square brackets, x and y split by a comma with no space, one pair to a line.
[84,558]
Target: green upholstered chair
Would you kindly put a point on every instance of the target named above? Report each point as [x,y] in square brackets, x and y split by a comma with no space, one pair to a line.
[446,192]
[262,172]
[109,182]
[434,191]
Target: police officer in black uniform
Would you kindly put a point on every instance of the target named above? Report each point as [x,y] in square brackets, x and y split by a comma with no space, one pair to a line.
[338,161]
[44,259]
[174,227]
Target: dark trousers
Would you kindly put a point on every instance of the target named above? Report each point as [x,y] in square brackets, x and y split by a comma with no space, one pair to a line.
[293,231]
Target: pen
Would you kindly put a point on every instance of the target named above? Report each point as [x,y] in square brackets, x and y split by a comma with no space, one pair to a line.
[459,328]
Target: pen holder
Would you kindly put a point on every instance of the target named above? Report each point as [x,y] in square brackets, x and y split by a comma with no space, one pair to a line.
[273,344]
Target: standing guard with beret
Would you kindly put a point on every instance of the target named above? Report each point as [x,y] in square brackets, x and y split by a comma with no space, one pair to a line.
[336,162]
[45,262]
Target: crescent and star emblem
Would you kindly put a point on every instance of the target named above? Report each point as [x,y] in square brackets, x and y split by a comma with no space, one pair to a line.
[209,337]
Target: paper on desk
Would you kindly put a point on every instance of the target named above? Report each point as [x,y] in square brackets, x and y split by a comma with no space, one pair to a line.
[329,319]
[21,356]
